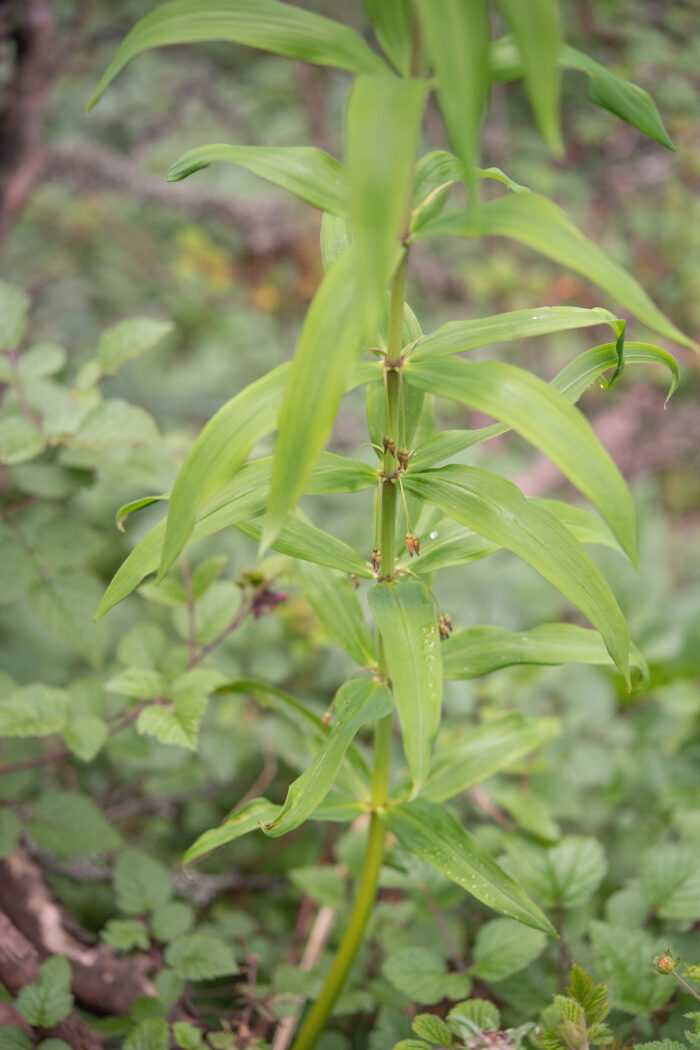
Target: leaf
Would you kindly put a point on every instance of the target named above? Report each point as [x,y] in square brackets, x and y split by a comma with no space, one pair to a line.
[125,935]
[623,960]
[128,339]
[218,453]
[473,1012]
[48,1000]
[115,423]
[10,828]
[582,372]
[481,650]
[406,618]
[428,830]
[14,1037]
[383,120]
[172,919]
[300,539]
[544,418]
[66,823]
[335,602]
[449,543]
[538,35]
[40,360]
[176,723]
[141,884]
[306,171]
[63,605]
[537,222]
[186,1035]
[421,974]
[392,24]
[356,702]
[86,736]
[432,1028]
[325,884]
[503,947]
[14,304]
[458,36]
[151,1034]
[496,509]
[197,957]
[17,567]
[563,876]
[670,880]
[20,440]
[484,750]
[249,817]
[34,710]
[265,24]
[139,682]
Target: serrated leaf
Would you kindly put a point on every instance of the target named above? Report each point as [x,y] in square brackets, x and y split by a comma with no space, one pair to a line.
[186,1035]
[392,24]
[63,605]
[562,876]
[48,1000]
[151,1034]
[428,830]
[334,600]
[68,823]
[479,1013]
[171,920]
[140,682]
[34,710]
[141,884]
[537,32]
[537,222]
[421,974]
[85,736]
[503,947]
[175,723]
[592,997]
[432,1028]
[128,339]
[670,880]
[249,817]
[14,304]
[306,171]
[125,934]
[10,828]
[197,957]
[406,618]
[623,960]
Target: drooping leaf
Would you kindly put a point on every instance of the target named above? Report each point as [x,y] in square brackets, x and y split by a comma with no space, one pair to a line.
[249,817]
[503,947]
[406,618]
[431,832]
[581,373]
[421,974]
[306,171]
[128,339]
[48,1000]
[458,36]
[544,418]
[265,24]
[335,602]
[496,509]
[537,222]
[392,24]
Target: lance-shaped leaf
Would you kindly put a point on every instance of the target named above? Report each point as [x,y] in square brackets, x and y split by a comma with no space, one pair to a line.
[300,539]
[405,616]
[392,24]
[266,24]
[497,510]
[357,702]
[435,173]
[335,602]
[544,418]
[219,451]
[383,121]
[537,222]
[429,831]
[458,37]
[307,172]
[248,818]
[537,32]
[323,363]
[484,750]
[481,650]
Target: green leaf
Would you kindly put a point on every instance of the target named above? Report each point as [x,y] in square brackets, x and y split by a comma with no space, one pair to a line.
[448,543]
[41,360]
[218,453]
[306,171]
[670,880]
[496,509]
[20,440]
[48,1000]
[34,710]
[186,1035]
[140,883]
[428,830]
[421,974]
[585,526]
[300,539]
[265,24]
[582,372]
[249,817]
[171,920]
[392,24]
[485,749]
[457,36]
[563,876]
[14,1037]
[125,935]
[537,222]
[14,304]
[17,567]
[128,339]
[406,618]
[86,736]
[537,32]
[326,884]
[151,1034]
[435,173]
[473,1012]
[175,723]
[432,1028]
[623,960]
[197,957]
[140,682]
[383,120]
[69,823]
[356,702]
[115,423]
[169,987]
[544,418]
[10,828]
[335,602]
[412,1044]
[481,650]
[503,947]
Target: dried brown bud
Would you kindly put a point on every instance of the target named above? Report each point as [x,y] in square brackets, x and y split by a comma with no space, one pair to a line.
[416,545]
[445,626]
[402,458]
[376,560]
[410,547]
[355,581]
[389,446]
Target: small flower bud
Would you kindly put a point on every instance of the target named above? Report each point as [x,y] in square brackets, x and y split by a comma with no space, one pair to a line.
[666,963]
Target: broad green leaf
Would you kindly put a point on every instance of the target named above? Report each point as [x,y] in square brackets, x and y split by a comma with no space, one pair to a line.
[484,750]
[432,833]
[128,339]
[10,830]
[14,1037]
[497,510]
[151,1034]
[481,650]
[218,453]
[544,418]
[670,880]
[140,883]
[125,934]
[34,710]
[307,172]
[392,24]
[68,823]
[115,423]
[623,958]
[561,876]
[335,239]
[406,618]
[335,602]
[187,1036]
[383,120]
[480,1012]
[41,360]
[48,1000]
[421,974]
[429,1026]
[176,722]
[86,736]
[357,702]
[537,32]
[337,474]
[172,919]
[20,440]
[249,817]
[141,682]
[503,947]
[436,172]
[300,539]
[537,222]
[322,366]
[458,36]
[14,305]
[264,24]
[457,337]
[18,568]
